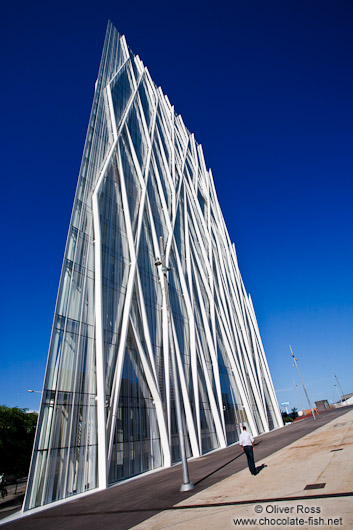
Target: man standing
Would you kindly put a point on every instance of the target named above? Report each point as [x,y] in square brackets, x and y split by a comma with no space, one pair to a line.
[247,442]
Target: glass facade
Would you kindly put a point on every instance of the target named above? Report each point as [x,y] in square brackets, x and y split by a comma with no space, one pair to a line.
[108,410]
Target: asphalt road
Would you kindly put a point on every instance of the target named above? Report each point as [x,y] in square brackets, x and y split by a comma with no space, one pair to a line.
[123,506]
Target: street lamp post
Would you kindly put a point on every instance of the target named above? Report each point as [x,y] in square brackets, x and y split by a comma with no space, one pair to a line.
[299,398]
[339,386]
[186,485]
[300,377]
[338,393]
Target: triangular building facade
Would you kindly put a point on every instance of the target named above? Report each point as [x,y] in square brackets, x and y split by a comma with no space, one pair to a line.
[107,410]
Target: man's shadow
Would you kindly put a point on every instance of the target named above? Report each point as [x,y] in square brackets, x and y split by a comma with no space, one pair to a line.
[260,468]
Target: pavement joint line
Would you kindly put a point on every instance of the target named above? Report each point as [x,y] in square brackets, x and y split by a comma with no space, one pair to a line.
[210,505]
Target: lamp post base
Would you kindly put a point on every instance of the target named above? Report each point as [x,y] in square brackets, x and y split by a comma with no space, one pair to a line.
[187,487]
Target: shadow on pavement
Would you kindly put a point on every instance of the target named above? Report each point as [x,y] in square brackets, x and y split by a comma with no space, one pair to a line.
[260,468]
[216,470]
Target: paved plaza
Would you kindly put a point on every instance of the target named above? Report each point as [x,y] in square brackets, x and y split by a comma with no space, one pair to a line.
[308,482]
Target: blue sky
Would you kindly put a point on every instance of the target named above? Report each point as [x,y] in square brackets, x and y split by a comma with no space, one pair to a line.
[267,89]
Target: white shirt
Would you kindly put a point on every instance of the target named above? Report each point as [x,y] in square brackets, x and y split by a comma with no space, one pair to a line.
[245,438]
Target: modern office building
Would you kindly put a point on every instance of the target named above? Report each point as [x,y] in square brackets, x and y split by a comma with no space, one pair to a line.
[145,209]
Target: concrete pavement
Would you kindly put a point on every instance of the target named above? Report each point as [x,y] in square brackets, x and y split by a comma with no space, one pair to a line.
[13,500]
[277,496]
[308,452]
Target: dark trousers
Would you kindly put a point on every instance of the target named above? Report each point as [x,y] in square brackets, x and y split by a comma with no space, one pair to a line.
[248,450]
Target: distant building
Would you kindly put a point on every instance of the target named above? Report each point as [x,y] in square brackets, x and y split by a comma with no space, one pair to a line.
[349,401]
[108,409]
[346,396]
[346,399]
[322,405]
[307,412]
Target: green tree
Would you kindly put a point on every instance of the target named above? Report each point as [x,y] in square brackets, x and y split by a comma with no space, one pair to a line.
[17,429]
[295,412]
